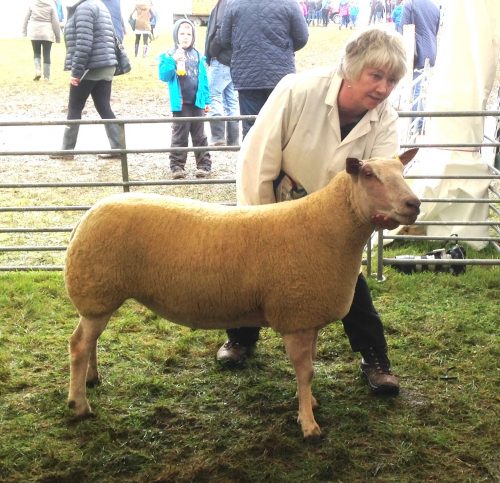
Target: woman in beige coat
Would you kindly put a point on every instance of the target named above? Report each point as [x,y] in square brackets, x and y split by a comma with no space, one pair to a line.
[309,125]
[140,20]
[41,26]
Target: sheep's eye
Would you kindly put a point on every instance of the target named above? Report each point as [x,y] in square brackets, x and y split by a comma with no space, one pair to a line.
[368,174]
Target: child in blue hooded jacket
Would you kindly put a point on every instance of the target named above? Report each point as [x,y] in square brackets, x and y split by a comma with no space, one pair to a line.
[183,68]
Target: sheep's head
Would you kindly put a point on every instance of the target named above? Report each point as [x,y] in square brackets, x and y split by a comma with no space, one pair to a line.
[382,195]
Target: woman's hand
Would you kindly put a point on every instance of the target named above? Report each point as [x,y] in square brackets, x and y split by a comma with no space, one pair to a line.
[74,81]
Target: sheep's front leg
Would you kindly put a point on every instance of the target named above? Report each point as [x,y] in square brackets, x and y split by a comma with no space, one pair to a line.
[300,347]
[83,362]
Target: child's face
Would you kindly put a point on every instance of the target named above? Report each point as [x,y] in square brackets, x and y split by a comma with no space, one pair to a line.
[185,35]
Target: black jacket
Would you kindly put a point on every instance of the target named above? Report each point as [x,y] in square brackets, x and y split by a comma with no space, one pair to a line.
[89,38]
[213,46]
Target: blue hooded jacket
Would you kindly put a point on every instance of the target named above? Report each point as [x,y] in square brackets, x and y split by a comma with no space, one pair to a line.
[167,73]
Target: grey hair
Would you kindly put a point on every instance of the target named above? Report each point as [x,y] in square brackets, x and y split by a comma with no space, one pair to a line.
[373,48]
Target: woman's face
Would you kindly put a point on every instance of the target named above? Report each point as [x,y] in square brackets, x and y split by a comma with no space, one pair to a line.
[373,86]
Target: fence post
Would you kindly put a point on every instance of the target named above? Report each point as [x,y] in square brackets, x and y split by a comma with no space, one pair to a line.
[124,158]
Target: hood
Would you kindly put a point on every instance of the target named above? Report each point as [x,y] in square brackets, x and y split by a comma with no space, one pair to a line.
[177,24]
[44,3]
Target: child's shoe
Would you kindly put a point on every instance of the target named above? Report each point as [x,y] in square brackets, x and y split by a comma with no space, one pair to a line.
[202,172]
[178,173]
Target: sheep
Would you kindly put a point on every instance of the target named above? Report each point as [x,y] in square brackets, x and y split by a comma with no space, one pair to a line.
[291,266]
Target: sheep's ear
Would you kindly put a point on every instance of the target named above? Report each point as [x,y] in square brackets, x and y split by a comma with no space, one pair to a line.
[353,165]
[407,156]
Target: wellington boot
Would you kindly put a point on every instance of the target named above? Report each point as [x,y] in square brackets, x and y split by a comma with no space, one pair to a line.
[233,133]
[116,138]
[38,69]
[46,72]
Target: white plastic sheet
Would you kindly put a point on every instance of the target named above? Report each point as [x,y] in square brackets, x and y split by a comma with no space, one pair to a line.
[462,80]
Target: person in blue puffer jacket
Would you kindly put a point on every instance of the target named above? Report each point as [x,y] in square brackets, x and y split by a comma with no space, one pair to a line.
[91,60]
[184,69]
[263,35]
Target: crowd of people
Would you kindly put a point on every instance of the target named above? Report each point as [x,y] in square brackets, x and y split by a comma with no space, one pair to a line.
[307,124]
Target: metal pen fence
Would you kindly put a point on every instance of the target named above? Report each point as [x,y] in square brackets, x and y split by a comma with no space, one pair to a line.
[125,184]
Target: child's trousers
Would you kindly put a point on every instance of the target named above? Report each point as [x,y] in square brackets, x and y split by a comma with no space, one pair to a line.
[180,138]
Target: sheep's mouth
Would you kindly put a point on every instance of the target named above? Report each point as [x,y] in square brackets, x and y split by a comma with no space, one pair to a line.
[386,222]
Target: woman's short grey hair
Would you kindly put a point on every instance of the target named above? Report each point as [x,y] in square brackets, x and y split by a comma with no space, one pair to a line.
[374,48]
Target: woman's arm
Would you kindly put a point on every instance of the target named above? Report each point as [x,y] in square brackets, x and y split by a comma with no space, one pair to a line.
[260,158]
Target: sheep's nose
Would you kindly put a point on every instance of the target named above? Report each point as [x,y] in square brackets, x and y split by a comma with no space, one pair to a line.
[414,204]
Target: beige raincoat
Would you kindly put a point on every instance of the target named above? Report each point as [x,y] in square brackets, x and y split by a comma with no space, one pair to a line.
[298,131]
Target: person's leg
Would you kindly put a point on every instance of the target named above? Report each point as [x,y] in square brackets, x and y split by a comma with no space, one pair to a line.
[137,40]
[418,104]
[251,102]
[101,95]
[199,138]
[366,335]
[47,47]
[230,102]
[216,82]
[180,138]
[78,96]
[37,58]
[145,47]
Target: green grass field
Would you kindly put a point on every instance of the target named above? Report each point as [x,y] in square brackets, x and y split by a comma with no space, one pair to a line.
[167,412]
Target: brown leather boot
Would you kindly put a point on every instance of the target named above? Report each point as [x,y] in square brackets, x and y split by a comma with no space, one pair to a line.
[233,352]
[376,368]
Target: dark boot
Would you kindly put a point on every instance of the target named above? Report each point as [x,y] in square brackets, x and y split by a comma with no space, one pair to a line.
[38,69]
[69,142]
[217,128]
[232,133]
[116,137]
[376,368]
[46,71]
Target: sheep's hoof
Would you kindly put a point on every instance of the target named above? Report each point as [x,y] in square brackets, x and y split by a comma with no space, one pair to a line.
[312,432]
[82,412]
[93,382]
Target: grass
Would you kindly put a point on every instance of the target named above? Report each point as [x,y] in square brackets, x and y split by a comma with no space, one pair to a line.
[167,412]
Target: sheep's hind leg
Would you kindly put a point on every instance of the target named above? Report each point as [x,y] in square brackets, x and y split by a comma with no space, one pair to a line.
[300,349]
[83,362]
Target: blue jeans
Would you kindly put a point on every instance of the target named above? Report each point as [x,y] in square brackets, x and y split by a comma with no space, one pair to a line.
[251,102]
[224,101]
[419,105]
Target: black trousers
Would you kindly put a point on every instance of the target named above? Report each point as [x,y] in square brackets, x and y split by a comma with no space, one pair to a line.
[38,45]
[362,324]
[101,95]
[251,102]
[180,138]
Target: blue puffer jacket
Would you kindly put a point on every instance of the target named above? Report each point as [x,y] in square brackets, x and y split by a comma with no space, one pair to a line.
[89,38]
[264,34]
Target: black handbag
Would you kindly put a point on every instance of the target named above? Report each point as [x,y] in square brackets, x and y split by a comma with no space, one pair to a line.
[123,66]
